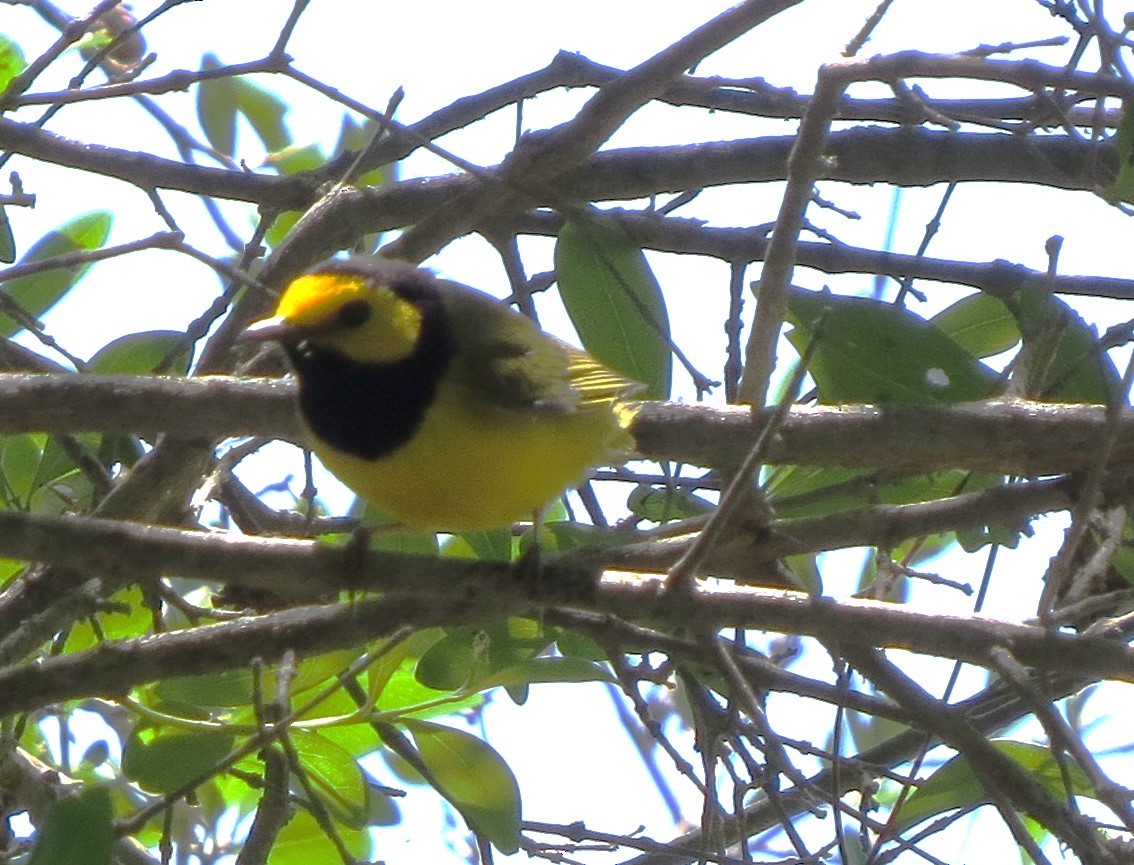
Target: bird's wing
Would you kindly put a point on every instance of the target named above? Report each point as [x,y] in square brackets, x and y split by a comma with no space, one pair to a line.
[596,382]
[525,369]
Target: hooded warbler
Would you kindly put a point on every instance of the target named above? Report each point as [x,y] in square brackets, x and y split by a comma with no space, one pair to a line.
[438,403]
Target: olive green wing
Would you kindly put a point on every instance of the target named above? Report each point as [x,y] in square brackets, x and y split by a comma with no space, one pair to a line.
[595,382]
[507,361]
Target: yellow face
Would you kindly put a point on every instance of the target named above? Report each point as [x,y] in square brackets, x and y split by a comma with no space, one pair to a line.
[365,320]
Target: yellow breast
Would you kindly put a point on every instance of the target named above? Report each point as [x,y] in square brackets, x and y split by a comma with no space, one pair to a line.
[479,467]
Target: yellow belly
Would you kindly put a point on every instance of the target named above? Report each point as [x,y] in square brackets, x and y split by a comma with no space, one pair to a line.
[480,468]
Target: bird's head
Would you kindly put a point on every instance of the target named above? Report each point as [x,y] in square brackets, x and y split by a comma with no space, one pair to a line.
[371,314]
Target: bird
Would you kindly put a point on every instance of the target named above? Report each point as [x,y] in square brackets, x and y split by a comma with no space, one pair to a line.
[438,403]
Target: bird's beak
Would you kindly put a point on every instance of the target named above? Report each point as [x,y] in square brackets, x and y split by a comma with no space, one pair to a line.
[274,329]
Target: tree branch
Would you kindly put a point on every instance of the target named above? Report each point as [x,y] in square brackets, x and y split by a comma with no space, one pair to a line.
[903,157]
[425,591]
[747,244]
[1006,436]
[540,159]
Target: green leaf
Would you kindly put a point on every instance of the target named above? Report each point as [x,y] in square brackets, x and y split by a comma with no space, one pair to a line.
[615,302]
[660,504]
[955,785]
[799,492]
[803,569]
[9,568]
[388,537]
[19,466]
[116,30]
[404,695]
[560,536]
[161,759]
[216,108]
[59,485]
[1061,360]
[92,43]
[1008,537]
[302,842]
[77,828]
[221,690]
[494,545]
[220,100]
[1122,562]
[297,159]
[135,620]
[357,739]
[542,670]
[1122,189]
[57,462]
[474,778]
[291,160]
[7,239]
[915,552]
[874,352]
[337,775]
[63,495]
[164,352]
[354,137]
[38,292]
[281,226]
[226,794]
[469,655]
[12,62]
[265,113]
[232,688]
[313,672]
[575,645]
[809,491]
[379,674]
[980,324]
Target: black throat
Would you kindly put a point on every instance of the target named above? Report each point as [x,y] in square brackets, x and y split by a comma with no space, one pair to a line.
[369,410]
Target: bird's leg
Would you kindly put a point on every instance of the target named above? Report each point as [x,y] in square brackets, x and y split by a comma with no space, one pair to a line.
[354,556]
[527,567]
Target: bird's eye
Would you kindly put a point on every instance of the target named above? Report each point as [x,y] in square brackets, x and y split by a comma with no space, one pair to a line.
[353,313]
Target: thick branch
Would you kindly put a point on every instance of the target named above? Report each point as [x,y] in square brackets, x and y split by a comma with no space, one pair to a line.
[154,172]
[113,668]
[904,157]
[429,591]
[745,558]
[1012,437]
[758,98]
[1007,436]
[748,244]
